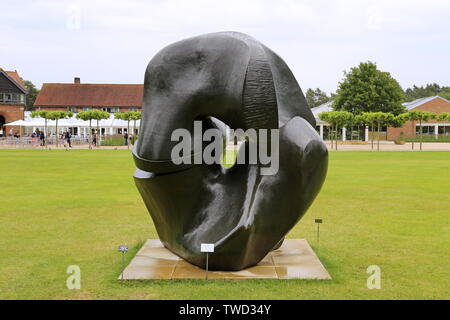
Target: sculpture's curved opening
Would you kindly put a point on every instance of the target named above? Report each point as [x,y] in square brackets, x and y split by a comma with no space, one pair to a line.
[230,144]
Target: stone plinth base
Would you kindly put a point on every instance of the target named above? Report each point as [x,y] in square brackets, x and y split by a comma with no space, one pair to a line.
[294,260]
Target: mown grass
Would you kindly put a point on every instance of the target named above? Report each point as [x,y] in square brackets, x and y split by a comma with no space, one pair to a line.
[61,208]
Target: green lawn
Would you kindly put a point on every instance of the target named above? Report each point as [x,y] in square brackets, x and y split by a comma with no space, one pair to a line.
[61,208]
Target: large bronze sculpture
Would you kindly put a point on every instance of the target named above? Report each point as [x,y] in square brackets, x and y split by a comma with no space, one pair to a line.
[233,78]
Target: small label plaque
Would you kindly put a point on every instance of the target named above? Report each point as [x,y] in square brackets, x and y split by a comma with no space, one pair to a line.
[319,221]
[207,247]
[123,248]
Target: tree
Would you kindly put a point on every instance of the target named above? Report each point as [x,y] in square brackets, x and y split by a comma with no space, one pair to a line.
[413,117]
[398,122]
[381,119]
[326,117]
[424,116]
[316,97]
[135,117]
[359,121]
[427,91]
[128,116]
[87,116]
[99,115]
[444,116]
[355,121]
[421,116]
[369,120]
[345,120]
[32,94]
[341,119]
[58,115]
[337,120]
[46,116]
[367,89]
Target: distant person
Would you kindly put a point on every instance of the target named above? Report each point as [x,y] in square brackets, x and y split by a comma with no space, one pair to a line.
[38,135]
[34,138]
[94,139]
[1,133]
[11,132]
[42,138]
[68,137]
[125,135]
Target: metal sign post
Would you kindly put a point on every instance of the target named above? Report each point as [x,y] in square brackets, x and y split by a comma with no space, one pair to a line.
[123,249]
[319,222]
[207,262]
[207,248]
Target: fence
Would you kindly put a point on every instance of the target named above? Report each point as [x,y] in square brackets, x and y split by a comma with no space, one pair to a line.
[28,142]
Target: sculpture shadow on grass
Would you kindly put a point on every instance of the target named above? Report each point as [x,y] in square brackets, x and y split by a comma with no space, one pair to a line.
[233,78]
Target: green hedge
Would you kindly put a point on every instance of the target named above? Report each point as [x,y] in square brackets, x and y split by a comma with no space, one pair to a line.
[113,141]
[428,138]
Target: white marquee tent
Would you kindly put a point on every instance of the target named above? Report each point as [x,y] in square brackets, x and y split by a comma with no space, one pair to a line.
[79,127]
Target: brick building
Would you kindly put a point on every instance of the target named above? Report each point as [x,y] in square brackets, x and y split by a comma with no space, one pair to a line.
[79,96]
[434,104]
[12,99]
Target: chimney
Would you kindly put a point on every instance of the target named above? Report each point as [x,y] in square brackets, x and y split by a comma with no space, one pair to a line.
[76,80]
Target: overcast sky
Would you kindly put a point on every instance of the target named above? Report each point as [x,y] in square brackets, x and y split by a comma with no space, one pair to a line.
[113,41]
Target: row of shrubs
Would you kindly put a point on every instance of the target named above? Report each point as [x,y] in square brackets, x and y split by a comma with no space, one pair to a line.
[429,138]
[116,141]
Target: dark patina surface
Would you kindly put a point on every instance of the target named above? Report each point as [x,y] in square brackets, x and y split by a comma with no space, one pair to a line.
[231,77]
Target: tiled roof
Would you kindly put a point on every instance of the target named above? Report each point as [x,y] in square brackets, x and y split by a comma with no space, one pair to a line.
[96,95]
[417,103]
[15,78]
[326,107]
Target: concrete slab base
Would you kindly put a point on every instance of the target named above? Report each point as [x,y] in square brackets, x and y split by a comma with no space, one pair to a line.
[294,260]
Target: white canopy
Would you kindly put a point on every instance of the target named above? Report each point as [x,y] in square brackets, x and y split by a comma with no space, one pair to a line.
[72,123]
[20,123]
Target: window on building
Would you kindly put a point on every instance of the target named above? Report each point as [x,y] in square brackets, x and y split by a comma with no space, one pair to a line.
[73,109]
[87,108]
[356,133]
[425,129]
[12,98]
[132,109]
[111,109]
[444,130]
